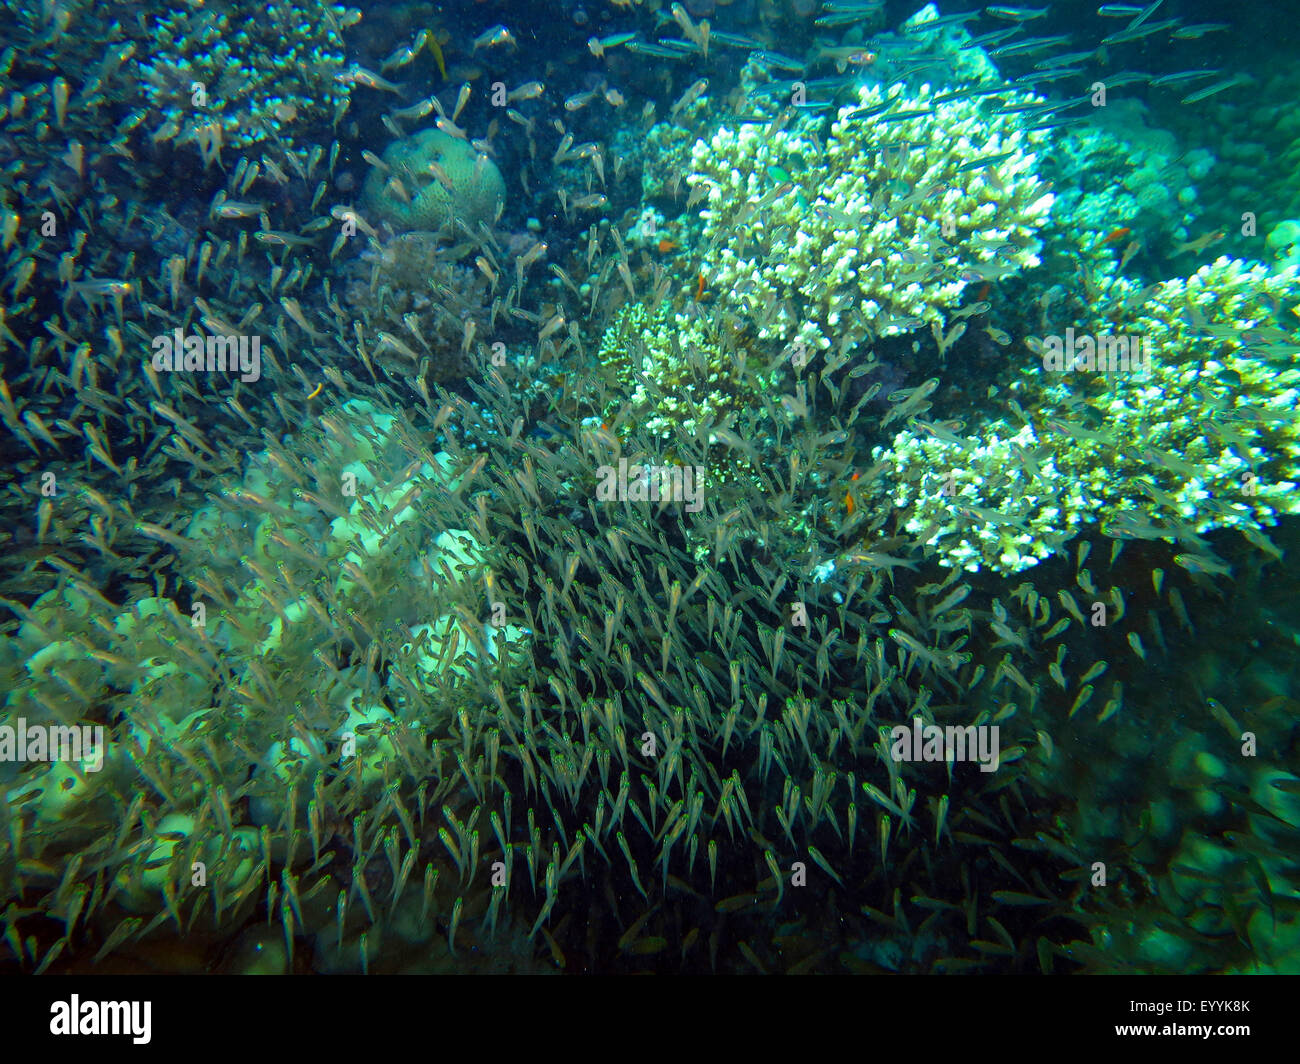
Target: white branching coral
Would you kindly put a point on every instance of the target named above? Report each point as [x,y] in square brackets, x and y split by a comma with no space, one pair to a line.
[1198,433]
[977,503]
[218,78]
[680,370]
[878,231]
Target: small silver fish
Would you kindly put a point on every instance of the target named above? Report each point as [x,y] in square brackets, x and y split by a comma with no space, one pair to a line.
[529,90]
[690,96]
[1199,29]
[236,209]
[1217,87]
[359,75]
[490,38]
[1015,14]
[1203,564]
[579,100]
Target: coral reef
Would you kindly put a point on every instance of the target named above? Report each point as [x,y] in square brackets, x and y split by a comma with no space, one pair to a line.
[1194,436]
[866,238]
[665,152]
[1257,149]
[215,77]
[1119,171]
[430,181]
[366,638]
[1284,243]
[426,299]
[680,372]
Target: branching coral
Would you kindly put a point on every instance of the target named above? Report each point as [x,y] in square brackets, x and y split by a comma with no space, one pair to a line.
[246,80]
[1203,436]
[878,231]
[682,370]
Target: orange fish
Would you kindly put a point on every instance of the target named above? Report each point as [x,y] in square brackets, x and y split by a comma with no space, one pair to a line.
[699,287]
[849,504]
[666,245]
[1113,235]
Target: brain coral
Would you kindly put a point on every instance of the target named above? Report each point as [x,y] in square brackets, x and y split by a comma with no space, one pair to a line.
[465,185]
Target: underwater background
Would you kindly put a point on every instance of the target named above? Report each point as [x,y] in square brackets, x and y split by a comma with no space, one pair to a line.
[609,486]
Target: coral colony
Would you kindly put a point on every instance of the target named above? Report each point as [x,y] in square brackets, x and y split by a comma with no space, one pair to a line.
[751,486]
